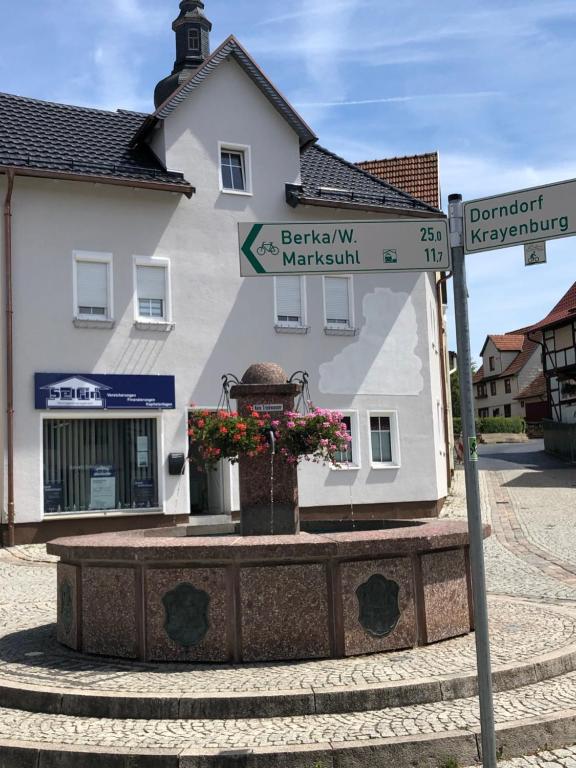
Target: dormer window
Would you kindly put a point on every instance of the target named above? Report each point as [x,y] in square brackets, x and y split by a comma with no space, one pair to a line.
[194,40]
[235,175]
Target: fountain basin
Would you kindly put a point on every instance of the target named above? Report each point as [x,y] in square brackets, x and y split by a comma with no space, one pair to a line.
[229,598]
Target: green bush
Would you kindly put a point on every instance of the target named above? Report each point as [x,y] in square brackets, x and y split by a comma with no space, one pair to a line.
[491,424]
[514,424]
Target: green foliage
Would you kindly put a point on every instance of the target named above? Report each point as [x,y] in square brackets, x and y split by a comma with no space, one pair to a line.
[514,424]
[317,436]
[493,424]
[449,762]
[455,394]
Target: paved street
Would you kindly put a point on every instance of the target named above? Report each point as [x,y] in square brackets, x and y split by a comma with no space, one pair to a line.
[531,555]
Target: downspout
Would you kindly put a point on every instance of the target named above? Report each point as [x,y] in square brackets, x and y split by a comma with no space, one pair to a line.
[445,379]
[10,173]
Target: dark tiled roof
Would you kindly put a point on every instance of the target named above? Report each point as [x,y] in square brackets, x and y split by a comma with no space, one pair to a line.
[57,138]
[563,311]
[327,177]
[231,48]
[416,174]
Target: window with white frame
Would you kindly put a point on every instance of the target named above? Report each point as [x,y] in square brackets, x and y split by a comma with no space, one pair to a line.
[289,300]
[152,289]
[338,302]
[350,458]
[235,175]
[92,286]
[384,439]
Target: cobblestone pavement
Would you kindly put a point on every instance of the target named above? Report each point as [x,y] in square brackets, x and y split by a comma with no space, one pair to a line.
[545,699]
[513,569]
[532,554]
[30,655]
[560,758]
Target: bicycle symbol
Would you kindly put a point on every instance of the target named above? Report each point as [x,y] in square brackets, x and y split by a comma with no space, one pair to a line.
[533,258]
[267,248]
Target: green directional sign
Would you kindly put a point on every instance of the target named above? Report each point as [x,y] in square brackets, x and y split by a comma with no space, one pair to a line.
[327,247]
[524,216]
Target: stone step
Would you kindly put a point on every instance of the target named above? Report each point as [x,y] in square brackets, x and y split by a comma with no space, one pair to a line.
[39,675]
[528,719]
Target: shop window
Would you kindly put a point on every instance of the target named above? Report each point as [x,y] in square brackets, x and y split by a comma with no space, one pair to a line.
[92,286]
[235,175]
[289,300]
[152,289]
[93,465]
[383,440]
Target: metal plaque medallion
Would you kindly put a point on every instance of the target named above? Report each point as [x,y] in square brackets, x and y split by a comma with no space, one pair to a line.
[186,615]
[379,610]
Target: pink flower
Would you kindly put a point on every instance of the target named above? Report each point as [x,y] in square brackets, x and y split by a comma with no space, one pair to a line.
[290,424]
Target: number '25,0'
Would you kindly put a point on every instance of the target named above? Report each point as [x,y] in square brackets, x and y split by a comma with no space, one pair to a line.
[430,235]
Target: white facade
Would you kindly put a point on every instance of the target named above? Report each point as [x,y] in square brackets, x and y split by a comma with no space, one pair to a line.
[217,321]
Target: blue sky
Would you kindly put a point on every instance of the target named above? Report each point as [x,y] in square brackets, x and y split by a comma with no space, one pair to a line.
[488,85]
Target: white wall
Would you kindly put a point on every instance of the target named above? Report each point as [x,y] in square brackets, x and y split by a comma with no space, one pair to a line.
[222,323]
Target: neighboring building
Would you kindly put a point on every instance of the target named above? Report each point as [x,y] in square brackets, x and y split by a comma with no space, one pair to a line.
[556,334]
[510,363]
[534,400]
[121,248]
[416,174]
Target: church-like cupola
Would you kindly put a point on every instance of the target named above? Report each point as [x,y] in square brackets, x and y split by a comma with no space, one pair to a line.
[192,30]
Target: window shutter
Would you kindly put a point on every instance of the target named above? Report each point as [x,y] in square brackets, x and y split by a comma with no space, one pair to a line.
[92,284]
[151,282]
[337,300]
[288,298]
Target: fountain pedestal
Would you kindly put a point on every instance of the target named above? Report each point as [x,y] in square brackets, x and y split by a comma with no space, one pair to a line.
[268,484]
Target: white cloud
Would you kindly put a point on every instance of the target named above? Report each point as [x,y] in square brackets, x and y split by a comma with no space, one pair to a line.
[402,99]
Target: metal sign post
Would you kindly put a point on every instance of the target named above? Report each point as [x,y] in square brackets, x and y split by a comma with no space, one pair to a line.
[472,487]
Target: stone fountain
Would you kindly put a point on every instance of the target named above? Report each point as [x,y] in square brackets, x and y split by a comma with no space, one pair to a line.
[270,591]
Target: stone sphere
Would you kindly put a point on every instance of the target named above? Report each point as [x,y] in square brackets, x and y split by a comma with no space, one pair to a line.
[265,373]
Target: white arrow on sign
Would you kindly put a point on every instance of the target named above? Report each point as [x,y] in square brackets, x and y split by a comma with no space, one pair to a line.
[525,216]
[344,246]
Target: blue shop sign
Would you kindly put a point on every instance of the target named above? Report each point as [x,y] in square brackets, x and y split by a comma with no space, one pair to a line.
[77,391]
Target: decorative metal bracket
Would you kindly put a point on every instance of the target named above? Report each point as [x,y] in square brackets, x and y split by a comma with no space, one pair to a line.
[304,403]
[228,379]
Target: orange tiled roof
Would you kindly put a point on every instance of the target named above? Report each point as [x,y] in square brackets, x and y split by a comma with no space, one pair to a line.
[508,342]
[417,175]
[536,388]
[564,310]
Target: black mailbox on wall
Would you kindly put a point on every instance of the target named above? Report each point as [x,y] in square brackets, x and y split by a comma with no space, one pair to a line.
[176,462]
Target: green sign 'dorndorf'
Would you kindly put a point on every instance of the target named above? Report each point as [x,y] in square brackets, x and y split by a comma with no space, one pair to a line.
[344,246]
[528,215]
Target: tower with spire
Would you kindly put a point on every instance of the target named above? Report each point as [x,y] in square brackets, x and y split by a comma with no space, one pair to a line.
[192,30]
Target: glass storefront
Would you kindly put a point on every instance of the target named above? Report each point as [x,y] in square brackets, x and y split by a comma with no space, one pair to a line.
[100,464]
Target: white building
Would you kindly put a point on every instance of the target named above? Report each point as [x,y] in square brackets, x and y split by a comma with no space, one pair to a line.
[121,252]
